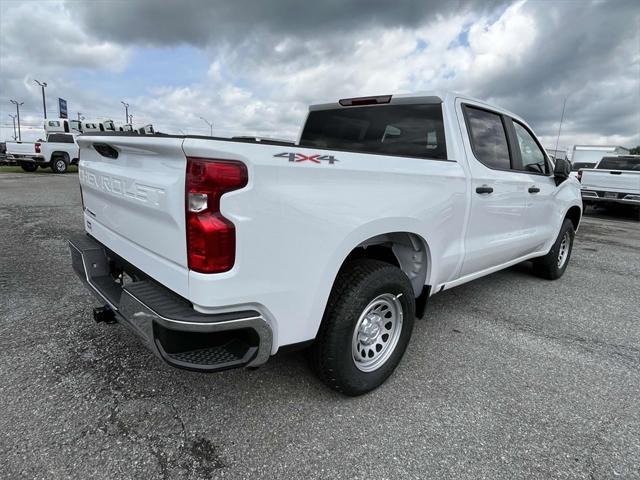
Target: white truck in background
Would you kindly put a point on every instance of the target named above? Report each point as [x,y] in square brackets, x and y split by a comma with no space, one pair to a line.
[614,180]
[58,152]
[587,156]
[62,125]
[217,253]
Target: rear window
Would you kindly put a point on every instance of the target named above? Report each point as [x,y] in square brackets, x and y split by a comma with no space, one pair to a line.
[578,165]
[403,130]
[60,138]
[619,163]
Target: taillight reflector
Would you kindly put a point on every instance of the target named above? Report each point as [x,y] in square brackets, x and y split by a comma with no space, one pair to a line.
[211,238]
[38,147]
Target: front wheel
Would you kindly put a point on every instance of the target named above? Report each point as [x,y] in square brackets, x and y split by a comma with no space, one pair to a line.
[366,327]
[554,263]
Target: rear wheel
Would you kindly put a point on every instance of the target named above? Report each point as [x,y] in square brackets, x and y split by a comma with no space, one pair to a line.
[28,166]
[554,263]
[366,327]
[59,164]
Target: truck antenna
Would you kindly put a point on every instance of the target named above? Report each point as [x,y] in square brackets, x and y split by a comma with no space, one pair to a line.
[560,127]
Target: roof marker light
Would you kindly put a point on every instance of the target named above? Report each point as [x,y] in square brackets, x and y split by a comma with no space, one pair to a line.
[353,102]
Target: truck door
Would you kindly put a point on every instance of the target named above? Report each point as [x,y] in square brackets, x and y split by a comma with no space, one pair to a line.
[533,164]
[495,231]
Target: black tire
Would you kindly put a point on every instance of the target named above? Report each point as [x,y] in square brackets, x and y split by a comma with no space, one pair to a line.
[59,164]
[549,266]
[28,166]
[358,284]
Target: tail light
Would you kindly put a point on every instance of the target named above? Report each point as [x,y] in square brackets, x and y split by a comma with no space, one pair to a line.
[211,238]
[579,175]
[38,147]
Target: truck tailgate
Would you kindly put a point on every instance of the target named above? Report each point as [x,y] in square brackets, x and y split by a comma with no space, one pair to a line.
[137,197]
[626,181]
[21,148]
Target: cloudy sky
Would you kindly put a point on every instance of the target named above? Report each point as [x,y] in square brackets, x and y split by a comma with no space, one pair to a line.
[252,67]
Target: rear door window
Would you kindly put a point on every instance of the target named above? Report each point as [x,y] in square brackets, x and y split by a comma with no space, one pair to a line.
[402,130]
[488,137]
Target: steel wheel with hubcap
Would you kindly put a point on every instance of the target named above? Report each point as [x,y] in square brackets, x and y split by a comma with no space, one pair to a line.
[366,326]
[554,263]
[377,332]
[564,249]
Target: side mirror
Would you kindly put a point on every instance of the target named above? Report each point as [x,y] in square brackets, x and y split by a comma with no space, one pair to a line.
[561,170]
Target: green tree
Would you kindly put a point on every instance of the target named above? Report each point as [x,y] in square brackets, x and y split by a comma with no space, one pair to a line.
[635,150]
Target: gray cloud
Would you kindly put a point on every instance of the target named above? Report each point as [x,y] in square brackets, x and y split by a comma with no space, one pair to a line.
[589,55]
[200,22]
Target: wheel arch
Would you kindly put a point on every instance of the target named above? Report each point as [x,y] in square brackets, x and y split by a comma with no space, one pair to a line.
[407,250]
[59,153]
[378,240]
[574,214]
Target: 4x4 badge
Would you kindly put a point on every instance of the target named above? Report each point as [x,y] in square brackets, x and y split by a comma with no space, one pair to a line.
[299,157]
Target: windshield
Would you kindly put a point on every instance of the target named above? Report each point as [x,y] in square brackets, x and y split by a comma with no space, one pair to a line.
[620,163]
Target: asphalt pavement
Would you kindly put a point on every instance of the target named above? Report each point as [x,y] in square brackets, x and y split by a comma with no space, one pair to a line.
[508,377]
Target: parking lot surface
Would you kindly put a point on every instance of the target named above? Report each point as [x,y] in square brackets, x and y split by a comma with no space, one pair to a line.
[509,376]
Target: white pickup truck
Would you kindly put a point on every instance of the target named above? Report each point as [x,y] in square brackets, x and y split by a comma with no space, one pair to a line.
[614,180]
[219,253]
[58,152]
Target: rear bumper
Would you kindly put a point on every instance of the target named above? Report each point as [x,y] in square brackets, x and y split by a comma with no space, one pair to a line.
[595,196]
[25,158]
[166,323]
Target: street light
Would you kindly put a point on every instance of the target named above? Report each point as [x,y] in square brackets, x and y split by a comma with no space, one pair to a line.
[18,115]
[210,125]
[126,111]
[44,103]
[15,136]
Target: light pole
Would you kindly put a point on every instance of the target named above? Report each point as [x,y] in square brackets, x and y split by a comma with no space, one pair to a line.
[15,136]
[18,115]
[126,111]
[130,119]
[44,103]
[210,125]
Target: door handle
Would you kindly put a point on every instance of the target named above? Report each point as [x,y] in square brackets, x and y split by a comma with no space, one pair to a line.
[484,189]
[534,189]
